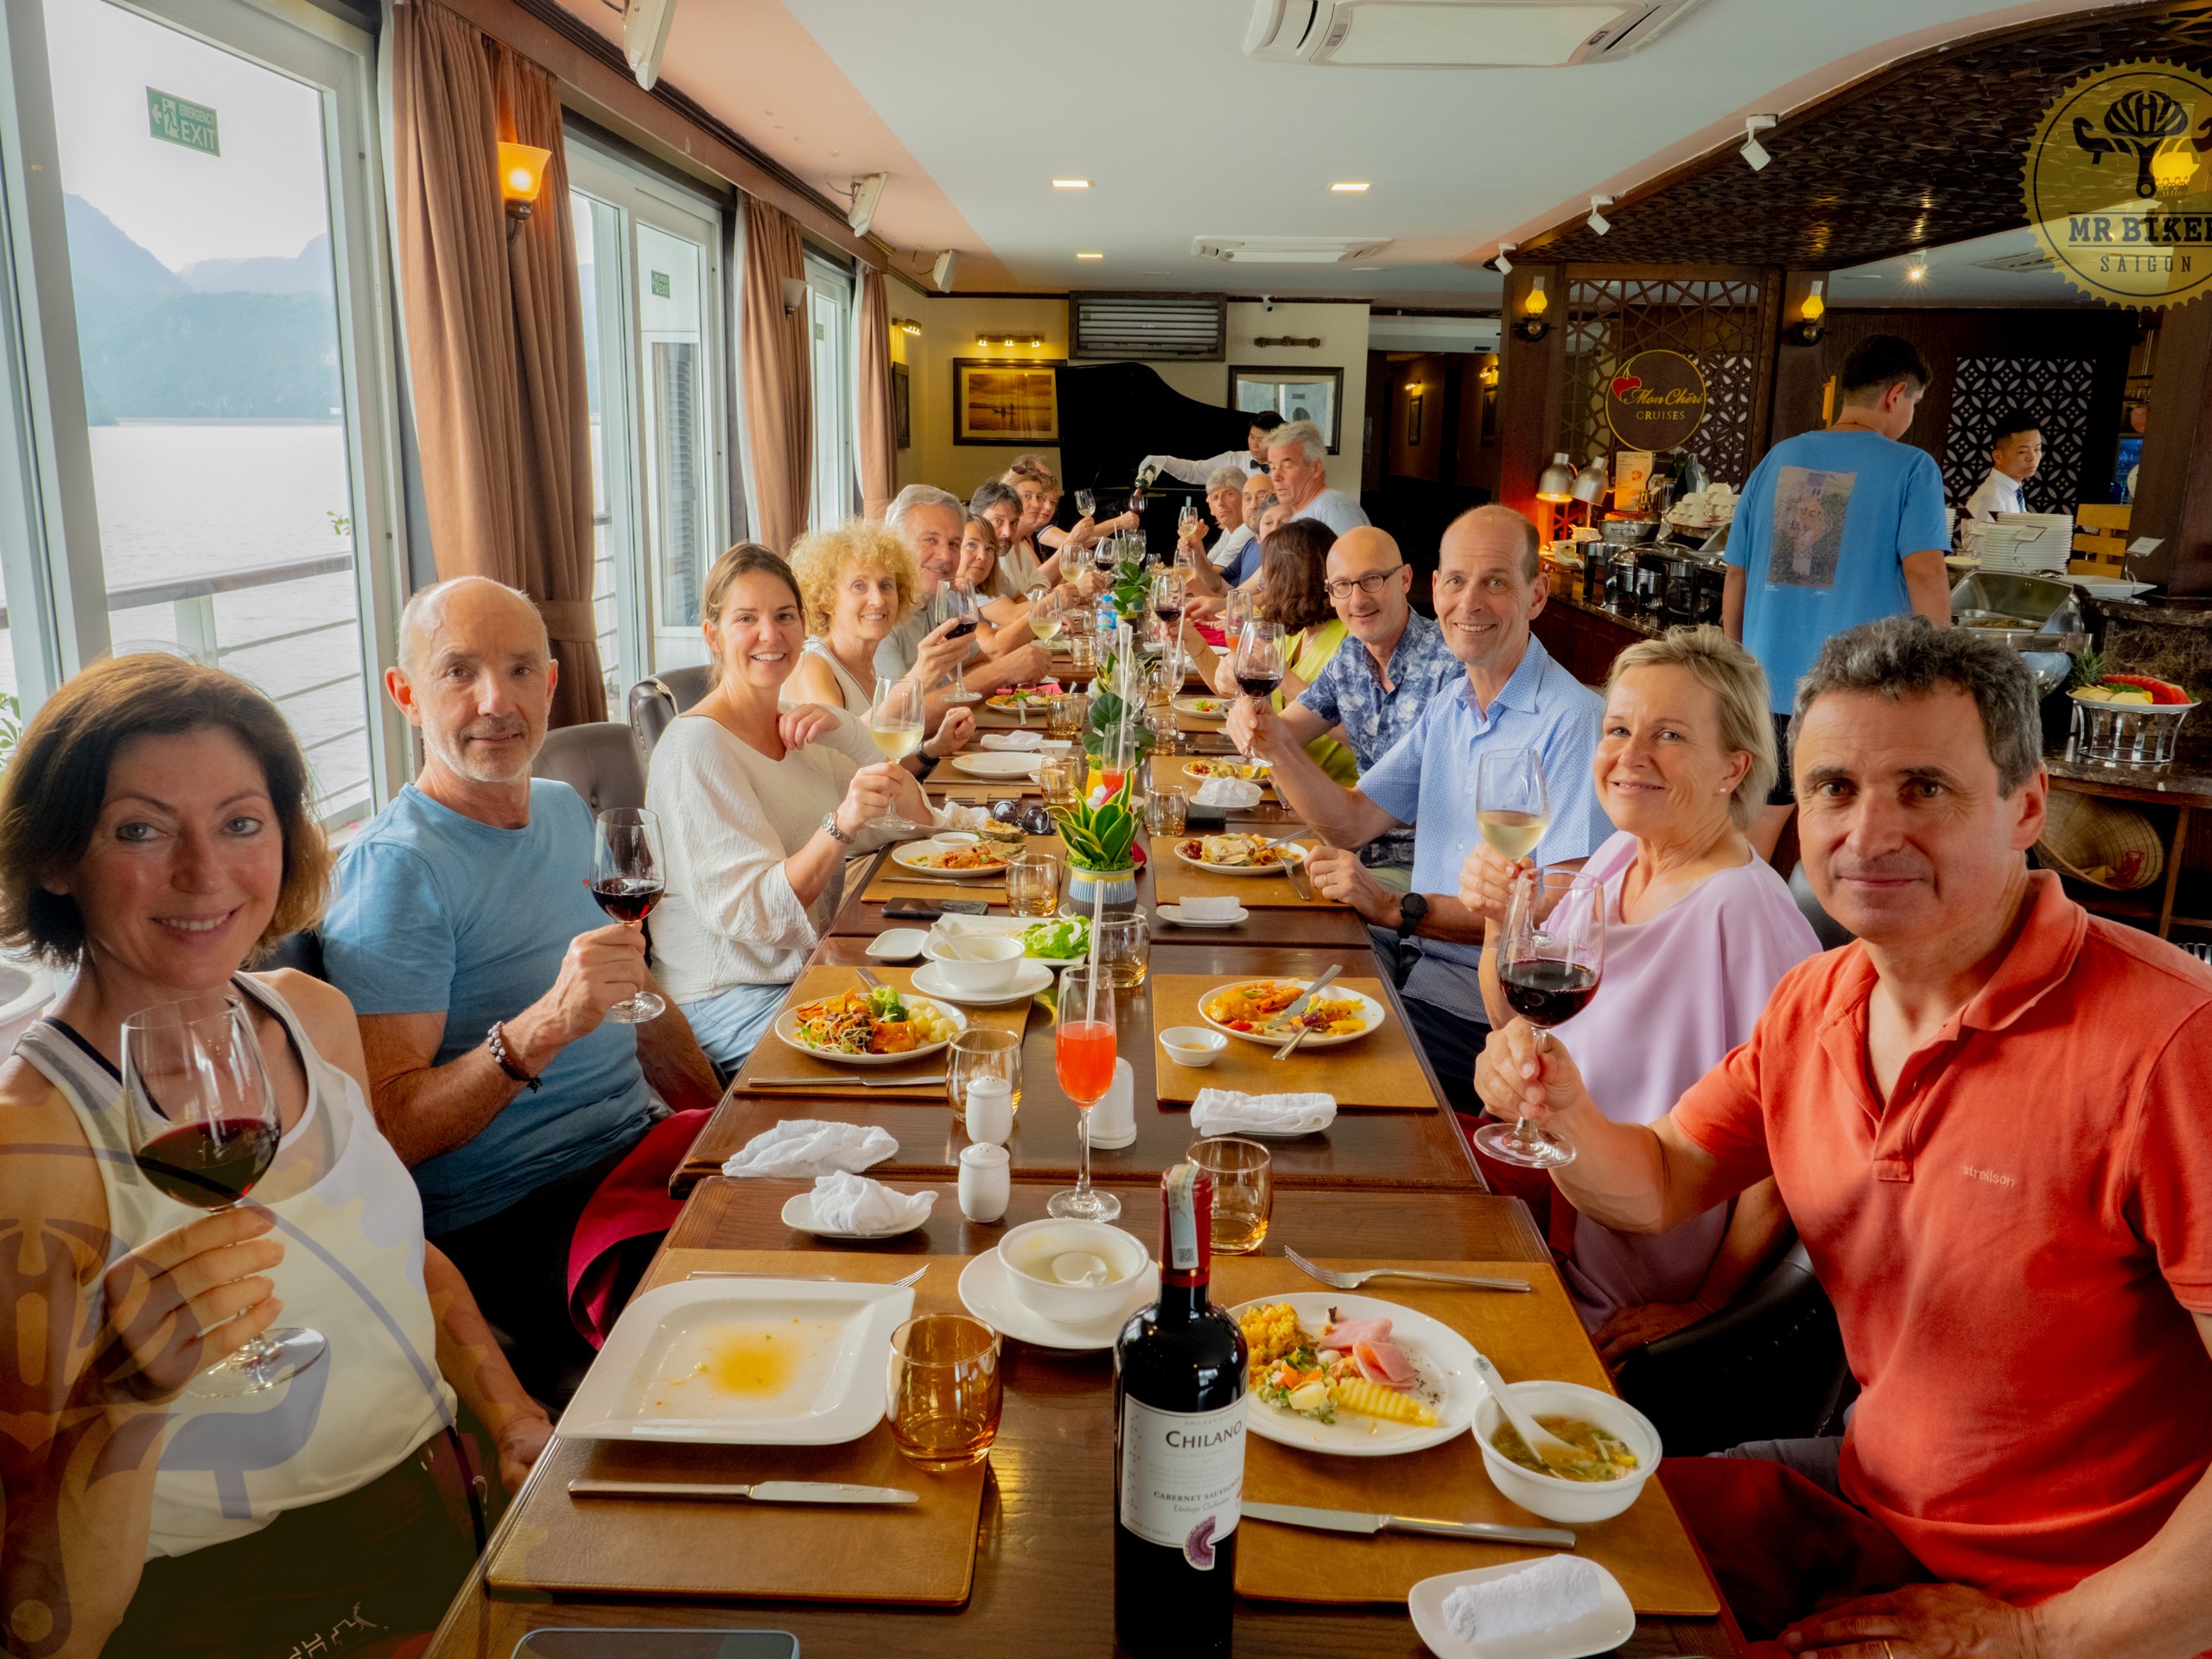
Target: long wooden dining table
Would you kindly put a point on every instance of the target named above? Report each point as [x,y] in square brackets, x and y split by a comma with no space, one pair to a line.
[1377,1185]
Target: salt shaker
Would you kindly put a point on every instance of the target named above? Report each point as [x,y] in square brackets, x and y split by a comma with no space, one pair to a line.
[986,1182]
[990,1110]
[1114,1119]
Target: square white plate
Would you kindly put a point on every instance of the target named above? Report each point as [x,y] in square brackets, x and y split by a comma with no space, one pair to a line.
[1601,1631]
[807,1357]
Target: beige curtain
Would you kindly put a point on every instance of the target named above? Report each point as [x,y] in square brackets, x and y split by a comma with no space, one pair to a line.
[778,399]
[878,437]
[494,334]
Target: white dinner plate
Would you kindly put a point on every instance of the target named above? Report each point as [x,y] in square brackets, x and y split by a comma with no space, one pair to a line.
[911,854]
[985,1292]
[1600,1631]
[1369,1009]
[990,763]
[1442,1355]
[1214,708]
[798,1215]
[786,1028]
[1030,977]
[1296,854]
[823,1387]
[1250,771]
[1173,915]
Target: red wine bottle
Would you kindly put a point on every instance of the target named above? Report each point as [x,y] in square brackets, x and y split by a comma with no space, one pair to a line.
[1178,1445]
[1546,991]
[627,898]
[211,1164]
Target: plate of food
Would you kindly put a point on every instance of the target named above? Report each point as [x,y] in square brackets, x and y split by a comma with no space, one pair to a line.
[1354,1377]
[1204,707]
[1246,1009]
[879,1027]
[1211,766]
[1238,855]
[1021,700]
[992,763]
[944,857]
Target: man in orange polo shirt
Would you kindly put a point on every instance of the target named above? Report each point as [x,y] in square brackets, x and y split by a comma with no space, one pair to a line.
[1988,1119]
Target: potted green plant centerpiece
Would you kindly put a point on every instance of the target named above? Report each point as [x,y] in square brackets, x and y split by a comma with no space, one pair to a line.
[1100,833]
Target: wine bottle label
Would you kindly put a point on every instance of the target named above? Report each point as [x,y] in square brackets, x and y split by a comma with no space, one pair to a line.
[1182,1477]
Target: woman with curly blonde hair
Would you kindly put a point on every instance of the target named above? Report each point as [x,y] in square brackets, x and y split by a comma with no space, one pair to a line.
[858,583]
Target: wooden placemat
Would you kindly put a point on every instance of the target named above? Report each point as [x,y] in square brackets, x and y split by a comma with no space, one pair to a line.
[924,1553]
[1536,1335]
[774,1058]
[889,881]
[1380,1071]
[1173,881]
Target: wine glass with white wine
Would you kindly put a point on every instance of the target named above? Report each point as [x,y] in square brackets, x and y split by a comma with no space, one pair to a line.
[894,722]
[1512,810]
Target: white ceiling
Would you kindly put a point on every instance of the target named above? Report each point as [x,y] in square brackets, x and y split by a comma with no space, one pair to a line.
[1185,136]
[1959,275]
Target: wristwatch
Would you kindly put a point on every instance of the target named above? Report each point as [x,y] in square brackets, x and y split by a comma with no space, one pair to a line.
[1411,909]
[829,824]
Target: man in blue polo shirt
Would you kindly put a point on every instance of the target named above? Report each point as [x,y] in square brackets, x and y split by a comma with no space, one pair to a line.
[1513,696]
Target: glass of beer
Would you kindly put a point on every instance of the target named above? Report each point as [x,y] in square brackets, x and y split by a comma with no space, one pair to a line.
[1061,778]
[1033,884]
[1243,1193]
[946,1390]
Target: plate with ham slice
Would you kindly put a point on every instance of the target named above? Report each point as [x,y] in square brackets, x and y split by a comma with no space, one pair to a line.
[1385,1343]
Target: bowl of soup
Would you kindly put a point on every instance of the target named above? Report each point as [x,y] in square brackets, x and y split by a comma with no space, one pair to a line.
[1073,1272]
[1620,1449]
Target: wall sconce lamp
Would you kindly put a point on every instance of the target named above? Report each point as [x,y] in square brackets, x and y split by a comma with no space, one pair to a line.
[794,293]
[1009,341]
[1807,330]
[522,176]
[1556,481]
[1530,325]
[1489,376]
[906,325]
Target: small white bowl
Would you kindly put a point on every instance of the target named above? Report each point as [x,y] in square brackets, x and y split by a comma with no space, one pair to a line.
[977,962]
[956,838]
[897,943]
[1028,1254]
[1193,1045]
[1554,1497]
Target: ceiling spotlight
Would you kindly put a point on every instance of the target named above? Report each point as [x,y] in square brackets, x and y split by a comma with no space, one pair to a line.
[1917,271]
[1349,187]
[1597,222]
[1070,184]
[1753,151]
[1504,265]
[1090,256]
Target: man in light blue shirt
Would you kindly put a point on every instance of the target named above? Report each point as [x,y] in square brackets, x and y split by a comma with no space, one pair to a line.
[1513,696]
[1298,461]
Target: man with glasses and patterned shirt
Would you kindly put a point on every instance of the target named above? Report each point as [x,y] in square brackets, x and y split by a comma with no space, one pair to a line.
[1376,695]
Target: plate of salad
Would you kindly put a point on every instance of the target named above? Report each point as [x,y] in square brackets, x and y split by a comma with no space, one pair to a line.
[882,1026]
[1355,1376]
[1057,942]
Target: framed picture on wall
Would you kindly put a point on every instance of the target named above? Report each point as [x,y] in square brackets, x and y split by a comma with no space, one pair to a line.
[1414,401]
[902,407]
[1004,402]
[1296,394]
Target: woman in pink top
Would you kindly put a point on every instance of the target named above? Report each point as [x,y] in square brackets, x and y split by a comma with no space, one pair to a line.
[1698,929]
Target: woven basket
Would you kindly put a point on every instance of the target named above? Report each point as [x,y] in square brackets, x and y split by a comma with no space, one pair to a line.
[2101,842]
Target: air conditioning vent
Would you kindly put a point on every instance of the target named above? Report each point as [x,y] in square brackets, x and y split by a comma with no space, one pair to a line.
[1285,249]
[1192,326]
[1455,34]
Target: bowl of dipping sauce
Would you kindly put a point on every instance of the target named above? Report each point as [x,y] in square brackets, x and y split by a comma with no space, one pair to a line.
[1623,1446]
[1193,1045]
[977,963]
[1073,1272]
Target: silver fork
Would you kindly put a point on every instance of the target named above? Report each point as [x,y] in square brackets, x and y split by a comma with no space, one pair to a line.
[913,1278]
[1337,1279]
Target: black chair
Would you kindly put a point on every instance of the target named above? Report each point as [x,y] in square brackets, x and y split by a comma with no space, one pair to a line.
[657,700]
[599,760]
[301,950]
[1830,932]
[1768,1367]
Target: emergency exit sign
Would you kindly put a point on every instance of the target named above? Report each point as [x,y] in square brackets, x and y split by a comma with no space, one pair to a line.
[179,121]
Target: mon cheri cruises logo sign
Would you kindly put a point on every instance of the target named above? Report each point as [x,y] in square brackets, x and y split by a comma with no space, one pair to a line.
[2120,184]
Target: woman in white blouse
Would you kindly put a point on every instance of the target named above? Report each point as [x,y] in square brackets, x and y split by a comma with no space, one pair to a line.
[760,803]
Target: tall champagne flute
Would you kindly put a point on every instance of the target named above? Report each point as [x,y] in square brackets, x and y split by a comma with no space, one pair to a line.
[1512,810]
[1549,963]
[627,875]
[204,1127]
[894,722]
[1082,1059]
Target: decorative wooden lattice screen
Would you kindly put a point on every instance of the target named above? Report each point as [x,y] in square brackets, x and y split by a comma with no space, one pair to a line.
[1721,325]
[2055,392]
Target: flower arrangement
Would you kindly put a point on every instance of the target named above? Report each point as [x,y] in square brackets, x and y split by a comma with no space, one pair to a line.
[1100,831]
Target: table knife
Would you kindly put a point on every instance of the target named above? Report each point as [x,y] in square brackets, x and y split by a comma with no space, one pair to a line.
[948,881]
[841,1083]
[1300,1007]
[1297,1515]
[766,1491]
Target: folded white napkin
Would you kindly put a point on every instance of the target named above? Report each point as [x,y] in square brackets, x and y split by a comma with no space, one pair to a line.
[1224,1112]
[953,816]
[1014,739]
[1198,908]
[846,1203]
[1227,792]
[807,1146]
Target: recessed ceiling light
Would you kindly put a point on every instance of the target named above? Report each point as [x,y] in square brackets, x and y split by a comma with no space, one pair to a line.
[1070,184]
[1349,187]
[1090,256]
[1916,273]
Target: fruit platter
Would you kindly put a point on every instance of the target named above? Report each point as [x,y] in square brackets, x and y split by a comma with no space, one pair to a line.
[2125,719]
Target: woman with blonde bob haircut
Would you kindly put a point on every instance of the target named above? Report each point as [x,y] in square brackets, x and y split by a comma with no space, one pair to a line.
[158,833]
[1698,929]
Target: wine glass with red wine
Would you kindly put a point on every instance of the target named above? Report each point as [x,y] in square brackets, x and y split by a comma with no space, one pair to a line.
[956,602]
[626,878]
[204,1127]
[1548,963]
[1258,663]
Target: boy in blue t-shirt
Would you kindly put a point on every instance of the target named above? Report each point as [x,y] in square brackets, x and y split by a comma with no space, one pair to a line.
[1835,529]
